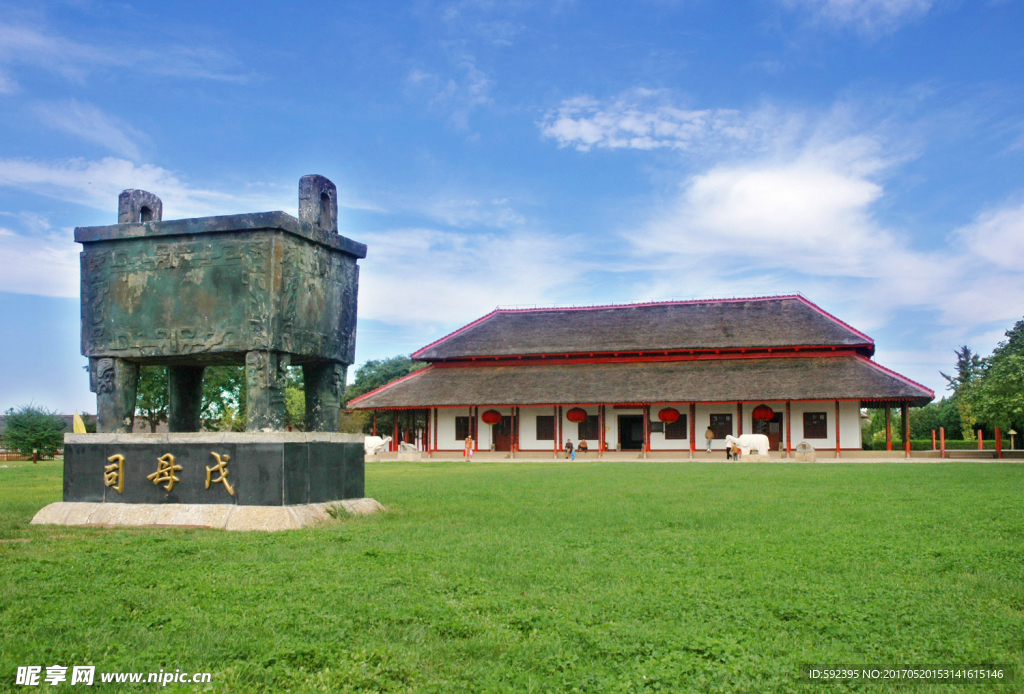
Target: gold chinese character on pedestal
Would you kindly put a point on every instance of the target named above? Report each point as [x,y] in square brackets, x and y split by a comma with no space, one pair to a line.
[113,474]
[222,468]
[165,470]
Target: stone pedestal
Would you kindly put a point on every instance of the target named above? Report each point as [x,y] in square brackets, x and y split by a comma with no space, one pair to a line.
[217,516]
[239,469]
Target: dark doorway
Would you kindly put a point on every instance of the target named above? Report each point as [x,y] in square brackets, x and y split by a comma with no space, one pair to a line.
[502,432]
[631,432]
[772,428]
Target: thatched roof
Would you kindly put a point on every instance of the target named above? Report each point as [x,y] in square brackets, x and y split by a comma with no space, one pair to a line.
[705,380]
[690,325]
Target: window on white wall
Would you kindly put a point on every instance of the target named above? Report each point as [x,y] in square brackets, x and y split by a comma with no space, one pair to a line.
[588,427]
[815,425]
[676,429]
[545,427]
[721,424]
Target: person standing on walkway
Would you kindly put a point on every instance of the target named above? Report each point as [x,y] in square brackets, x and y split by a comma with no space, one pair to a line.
[710,436]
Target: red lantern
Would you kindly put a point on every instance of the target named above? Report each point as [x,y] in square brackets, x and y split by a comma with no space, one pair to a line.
[668,415]
[491,417]
[576,414]
[763,413]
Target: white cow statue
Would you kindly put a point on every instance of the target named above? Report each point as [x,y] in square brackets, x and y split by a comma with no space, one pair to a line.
[748,441]
[375,444]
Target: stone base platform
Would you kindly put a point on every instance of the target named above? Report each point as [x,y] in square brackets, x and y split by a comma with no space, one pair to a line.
[217,516]
[243,469]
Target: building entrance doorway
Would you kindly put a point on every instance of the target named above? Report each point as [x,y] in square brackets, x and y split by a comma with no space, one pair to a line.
[631,432]
[502,433]
[772,428]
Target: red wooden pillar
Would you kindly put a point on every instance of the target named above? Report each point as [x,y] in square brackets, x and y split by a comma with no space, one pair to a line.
[554,428]
[561,428]
[394,430]
[888,428]
[408,425]
[905,414]
[942,442]
[601,432]
[981,440]
[375,422]
[693,429]
[933,440]
[739,419]
[837,428]
[476,428]
[647,429]
[999,442]
[789,433]
[515,432]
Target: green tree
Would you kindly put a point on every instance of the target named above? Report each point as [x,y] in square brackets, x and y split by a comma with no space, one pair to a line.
[996,395]
[874,431]
[151,403]
[934,415]
[34,428]
[968,366]
[295,399]
[224,396]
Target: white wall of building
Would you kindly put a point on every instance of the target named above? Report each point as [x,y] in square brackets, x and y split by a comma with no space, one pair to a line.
[849,423]
[528,429]
[658,440]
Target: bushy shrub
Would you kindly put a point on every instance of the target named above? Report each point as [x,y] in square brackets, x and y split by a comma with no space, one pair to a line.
[34,428]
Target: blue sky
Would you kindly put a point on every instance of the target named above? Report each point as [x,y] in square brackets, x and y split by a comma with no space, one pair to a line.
[866,153]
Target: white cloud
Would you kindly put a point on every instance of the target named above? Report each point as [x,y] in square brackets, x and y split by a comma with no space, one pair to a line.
[7,83]
[464,212]
[97,184]
[647,119]
[457,95]
[46,265]
[866,16]
[997,236]
[89,123]
[809,224]
[439,278]
[27,45]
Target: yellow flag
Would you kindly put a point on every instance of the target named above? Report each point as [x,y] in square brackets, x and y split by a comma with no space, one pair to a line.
[78,426]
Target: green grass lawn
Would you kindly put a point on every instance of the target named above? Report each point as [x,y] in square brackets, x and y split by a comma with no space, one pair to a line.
[563,577]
